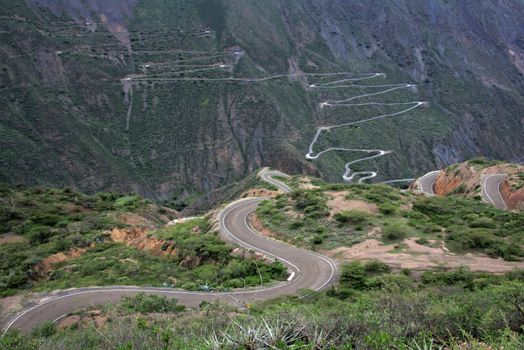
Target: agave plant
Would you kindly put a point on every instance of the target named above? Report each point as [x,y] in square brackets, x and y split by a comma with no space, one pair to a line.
[426,344]
[256,335]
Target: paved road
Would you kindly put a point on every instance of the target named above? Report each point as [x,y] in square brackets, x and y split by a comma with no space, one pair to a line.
[427,182]
[307,270]
[267,176]
[490,185]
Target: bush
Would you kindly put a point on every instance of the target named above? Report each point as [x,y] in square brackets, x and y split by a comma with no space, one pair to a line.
[353,275]
[39,234]
[482,223]
[388,208]
[318,240]
[376,267]
[128,202]
[149,303]
[45,330]
[394,231]
[296,224]
[352,216]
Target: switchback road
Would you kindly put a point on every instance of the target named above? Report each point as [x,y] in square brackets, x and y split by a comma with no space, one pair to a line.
[307,270]
[490,185]
[427,182]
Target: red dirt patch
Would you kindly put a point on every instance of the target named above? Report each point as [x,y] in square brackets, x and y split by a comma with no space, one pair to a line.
[257,225]
[68,322]
[513,199]
[93,317]
[138,238]
[45,266]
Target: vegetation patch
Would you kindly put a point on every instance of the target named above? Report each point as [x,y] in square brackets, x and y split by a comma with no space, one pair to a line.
[463,224]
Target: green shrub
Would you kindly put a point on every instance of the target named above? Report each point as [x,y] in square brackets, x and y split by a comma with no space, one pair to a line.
[296,224]
[39,234]
[353,275]
[45,330]
[388,208]
[422,241]
[394,231]
[149,303]
[482,223]
[128,202]
[376,267]
[352,216]
[318,240]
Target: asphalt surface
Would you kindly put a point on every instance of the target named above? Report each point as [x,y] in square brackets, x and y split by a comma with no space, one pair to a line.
[427,182]
[267,176]
[490,185]
[308,271]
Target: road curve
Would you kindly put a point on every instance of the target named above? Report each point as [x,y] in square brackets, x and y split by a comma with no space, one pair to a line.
[490,190]
[426,183]
[267,176]
[308,270]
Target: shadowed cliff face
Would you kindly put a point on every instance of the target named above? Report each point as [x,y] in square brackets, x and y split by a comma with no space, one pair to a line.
[89,98]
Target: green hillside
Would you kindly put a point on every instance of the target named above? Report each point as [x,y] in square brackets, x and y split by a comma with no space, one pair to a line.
[145,101]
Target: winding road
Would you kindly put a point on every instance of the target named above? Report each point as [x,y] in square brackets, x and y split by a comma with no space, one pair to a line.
[426,183]
[348,83]
[307,271]
[490,190]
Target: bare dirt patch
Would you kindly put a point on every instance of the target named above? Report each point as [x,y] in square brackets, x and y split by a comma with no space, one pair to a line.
[10,304]
[260,192]
[305,184]
[95,317]
[10,238]
[293,214]
[337,203]
[69,322]
[421,257]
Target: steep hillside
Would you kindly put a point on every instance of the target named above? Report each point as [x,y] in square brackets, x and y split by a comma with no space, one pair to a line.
[170,99]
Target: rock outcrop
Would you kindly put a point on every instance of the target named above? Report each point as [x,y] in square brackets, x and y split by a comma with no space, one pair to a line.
[45,266]
[513,199]
[139,239]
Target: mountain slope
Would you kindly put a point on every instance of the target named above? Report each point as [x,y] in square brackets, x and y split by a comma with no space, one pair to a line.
[138,96]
